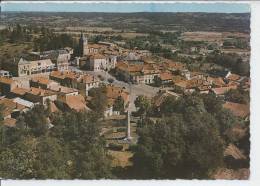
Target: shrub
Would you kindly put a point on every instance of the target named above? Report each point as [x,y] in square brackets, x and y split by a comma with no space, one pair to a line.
[115,147]
[110,80]
[120,130]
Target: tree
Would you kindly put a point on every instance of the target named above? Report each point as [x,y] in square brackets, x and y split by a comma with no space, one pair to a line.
[237,96]
[36,120]
[212,103]
[143,104]
[51,159]
[17,160]
[172,105]
[226,120]
[204,152]
[2,127]
[71,149]
[30,157]
[177,148]
[99,100]
[156,145]
[169,105]
[79,133]
[231,61]
[192,130]
[119,104]
[51,41]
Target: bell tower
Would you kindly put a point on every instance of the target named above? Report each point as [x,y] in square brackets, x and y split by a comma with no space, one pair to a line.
[83,45]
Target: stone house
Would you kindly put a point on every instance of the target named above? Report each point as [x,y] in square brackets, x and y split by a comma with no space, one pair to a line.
[59,57]
[166,77]
[98,62]
[27,68]
[82,82]
[139,74]
[42,82]
[64,91]
[85,83]
[38,95]
[222,90]
[7,85]
[11,108]
[4,73]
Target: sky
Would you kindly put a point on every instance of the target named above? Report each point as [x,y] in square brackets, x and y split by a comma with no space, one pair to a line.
[125,7]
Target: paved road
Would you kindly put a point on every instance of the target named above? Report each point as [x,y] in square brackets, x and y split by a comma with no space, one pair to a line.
[135,90]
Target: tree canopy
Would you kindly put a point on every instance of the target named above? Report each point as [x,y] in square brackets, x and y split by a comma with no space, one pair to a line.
[71,149]
[186,142]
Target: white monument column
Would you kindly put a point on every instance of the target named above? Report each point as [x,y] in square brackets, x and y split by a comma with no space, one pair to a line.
[128,117]
[128,120]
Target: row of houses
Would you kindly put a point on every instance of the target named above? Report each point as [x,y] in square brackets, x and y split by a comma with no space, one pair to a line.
[82,82]
[104,55]
[216,85]
[38,63]
[61,91]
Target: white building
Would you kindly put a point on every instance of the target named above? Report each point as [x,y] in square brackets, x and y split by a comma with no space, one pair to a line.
[26,68]
[100,62]
[4,73]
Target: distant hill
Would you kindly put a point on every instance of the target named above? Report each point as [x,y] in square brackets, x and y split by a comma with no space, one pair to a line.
[233,22]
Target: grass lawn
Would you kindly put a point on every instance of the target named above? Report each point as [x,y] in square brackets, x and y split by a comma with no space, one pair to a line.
[121,158]
[13,49]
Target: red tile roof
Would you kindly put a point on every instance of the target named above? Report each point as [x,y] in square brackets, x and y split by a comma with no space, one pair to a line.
[222,90]
[20,91]
[97,56]
[182,84]
[173,65]
[6,80]
[40,92]
[10,122]
[42,80]
[88,79]
[218,82]
[233,77]
[77,103]
[10,106]
[166,76]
